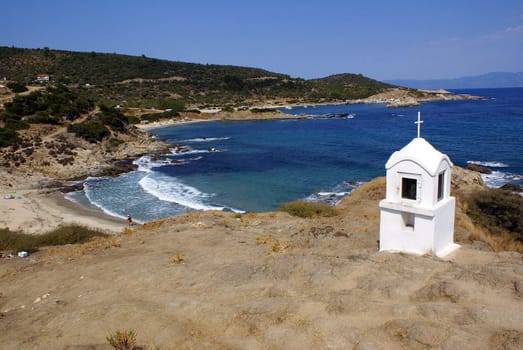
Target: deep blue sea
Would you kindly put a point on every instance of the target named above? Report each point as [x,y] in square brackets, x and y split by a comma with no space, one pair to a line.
[257,165]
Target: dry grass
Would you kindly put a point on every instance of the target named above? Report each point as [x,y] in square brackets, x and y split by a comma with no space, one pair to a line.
[275,245]
[177,258]
[304,209]
[69,234]
[498,216]
[122,340]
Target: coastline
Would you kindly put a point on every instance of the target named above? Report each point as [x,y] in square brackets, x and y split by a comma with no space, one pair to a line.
[38,212]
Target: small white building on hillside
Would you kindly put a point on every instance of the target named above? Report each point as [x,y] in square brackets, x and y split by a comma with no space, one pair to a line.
[417,215]
[43,78]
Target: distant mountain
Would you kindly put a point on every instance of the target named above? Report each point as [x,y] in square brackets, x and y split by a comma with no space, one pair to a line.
[489,80]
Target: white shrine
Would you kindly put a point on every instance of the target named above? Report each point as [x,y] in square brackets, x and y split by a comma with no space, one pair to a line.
[417,215]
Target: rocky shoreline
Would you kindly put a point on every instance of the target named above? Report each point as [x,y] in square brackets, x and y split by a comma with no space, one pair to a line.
[50,159]
[396,98]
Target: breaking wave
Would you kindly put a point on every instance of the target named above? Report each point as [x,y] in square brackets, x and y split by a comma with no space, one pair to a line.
[170,189]
[147,163]
[335,194]
[206,139]
[491,164]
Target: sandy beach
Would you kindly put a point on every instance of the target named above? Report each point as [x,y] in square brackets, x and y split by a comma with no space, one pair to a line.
[38,211]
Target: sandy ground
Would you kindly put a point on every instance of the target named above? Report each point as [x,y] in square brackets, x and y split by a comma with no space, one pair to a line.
[217,280]
[34,212]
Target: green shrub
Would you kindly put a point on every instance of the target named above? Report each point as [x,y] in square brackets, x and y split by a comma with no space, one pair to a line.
[498,211]
[113,118]
[15,124]
[133,120]
[153,117]
[114,142]
[8,137]
[59,101]
[305,209]
[16,87]
[90,131]
[70,234]
[42,117]
[16,241]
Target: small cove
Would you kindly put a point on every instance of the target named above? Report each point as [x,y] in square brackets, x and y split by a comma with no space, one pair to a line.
[257,165]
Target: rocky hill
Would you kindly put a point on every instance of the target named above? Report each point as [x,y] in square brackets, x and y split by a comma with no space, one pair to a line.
[122,78]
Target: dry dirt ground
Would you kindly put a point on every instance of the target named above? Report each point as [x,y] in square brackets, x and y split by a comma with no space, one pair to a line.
[217,280]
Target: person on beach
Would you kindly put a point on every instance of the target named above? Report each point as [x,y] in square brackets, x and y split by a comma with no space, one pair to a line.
[129,220]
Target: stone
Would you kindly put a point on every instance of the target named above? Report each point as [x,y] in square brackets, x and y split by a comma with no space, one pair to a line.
[479,168]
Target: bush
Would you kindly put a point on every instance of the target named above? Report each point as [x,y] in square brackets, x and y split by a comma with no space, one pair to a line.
[114,143]
[16,241]
[122,340]
[498,211]
[7,137]
[113,118]
[16,87]
[59,101]
[15,124]
[90,131]
[153,117]
[304,209]
[42,117]
[70,234]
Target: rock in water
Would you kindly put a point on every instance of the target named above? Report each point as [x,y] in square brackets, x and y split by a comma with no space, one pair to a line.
[479,168]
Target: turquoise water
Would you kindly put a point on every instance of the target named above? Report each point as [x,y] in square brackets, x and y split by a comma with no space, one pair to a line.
[257,165]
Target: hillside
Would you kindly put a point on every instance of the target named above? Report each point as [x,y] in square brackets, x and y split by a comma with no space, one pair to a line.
[120,78]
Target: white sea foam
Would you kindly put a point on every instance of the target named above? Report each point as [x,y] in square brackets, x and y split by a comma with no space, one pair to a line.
[102,208]
[146,163]
[492,164]
[174,191]
[206,139]
[332,197]
[499,178]
[70,196]
[333,194]
[187,150]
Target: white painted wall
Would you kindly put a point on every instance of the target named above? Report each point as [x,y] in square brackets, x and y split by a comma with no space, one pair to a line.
[433,229]
[444,225]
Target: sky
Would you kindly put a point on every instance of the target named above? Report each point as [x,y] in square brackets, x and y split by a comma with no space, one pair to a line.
[381,39]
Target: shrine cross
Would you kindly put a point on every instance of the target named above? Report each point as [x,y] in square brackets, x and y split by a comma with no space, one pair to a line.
[419,122]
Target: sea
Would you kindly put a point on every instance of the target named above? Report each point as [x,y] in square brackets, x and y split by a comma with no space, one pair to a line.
[255,166]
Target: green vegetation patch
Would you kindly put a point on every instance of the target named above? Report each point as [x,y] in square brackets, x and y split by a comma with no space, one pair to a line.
[8,137]
[113,118]
[91,131]
[70,234]
[16,87]
[305,209]
[498,211]
[58,101]
[145,82]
